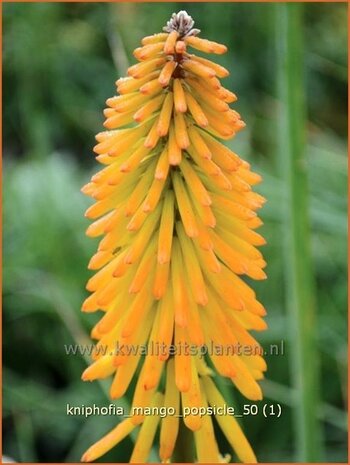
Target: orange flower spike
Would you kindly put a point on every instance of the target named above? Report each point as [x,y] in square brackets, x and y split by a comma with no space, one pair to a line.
[177,215]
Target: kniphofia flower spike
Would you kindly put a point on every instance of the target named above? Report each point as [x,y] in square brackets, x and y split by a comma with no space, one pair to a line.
[178,217]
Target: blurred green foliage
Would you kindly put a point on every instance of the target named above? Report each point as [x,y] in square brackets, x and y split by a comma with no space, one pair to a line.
[60,64]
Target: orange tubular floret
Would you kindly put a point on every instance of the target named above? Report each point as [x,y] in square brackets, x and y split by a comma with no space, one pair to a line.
[174,151]
[135,159]
[153,39]
[151,87]
[208,98]
[162,168]
[169,46]
[180,297]
[160,280]
[198,69]
[144,269]
[180,47]
[179,97]
[196,111]
[149,108]
[181,135]
[129,84]
[184,206]
[166,73]
[198,143]
[141,69]
[165,115]
[153,136]
[206,45]
[166,229]
[194,273]
[148,51]
[192,399]
[170,424]
[153,196]
[220,71]
[182,361]
[194,183]
[115,120]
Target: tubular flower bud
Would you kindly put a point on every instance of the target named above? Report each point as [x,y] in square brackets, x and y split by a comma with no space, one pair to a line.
[177,216]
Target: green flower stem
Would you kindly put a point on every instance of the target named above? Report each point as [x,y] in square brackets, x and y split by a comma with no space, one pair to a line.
[184,448]
[296,231]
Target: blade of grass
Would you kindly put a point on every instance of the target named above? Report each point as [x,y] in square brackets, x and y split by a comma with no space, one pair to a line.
[298,269]
[289,397]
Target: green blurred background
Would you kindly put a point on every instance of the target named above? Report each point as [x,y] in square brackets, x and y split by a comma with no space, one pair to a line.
[60,64]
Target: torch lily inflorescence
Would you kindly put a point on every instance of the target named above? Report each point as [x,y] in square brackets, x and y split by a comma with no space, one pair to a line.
[178,218]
